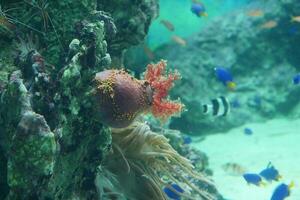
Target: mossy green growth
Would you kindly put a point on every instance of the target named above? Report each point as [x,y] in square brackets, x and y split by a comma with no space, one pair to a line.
[52,21]
[6,62]
[70,167]
[61,162]
[3,77]
[32,151]
[83,140]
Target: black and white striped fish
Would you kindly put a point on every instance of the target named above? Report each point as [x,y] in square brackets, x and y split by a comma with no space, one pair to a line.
[218,107]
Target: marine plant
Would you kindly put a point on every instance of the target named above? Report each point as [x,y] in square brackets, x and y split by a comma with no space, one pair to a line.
[145,155]
[161,83]
[40,7]
[121,98]
[149,162]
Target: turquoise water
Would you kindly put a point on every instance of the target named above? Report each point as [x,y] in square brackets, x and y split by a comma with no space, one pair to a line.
[241,36]
[178,12]
[93,106]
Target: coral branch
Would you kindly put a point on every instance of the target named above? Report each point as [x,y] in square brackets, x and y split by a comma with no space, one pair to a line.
[161,83]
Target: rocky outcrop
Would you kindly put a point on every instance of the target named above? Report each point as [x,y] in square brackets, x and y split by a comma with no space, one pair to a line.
[132,19]
[53,144]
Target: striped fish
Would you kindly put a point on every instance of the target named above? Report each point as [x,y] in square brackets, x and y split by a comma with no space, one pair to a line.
[218,107]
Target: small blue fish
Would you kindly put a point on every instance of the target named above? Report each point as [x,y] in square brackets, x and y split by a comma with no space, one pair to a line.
[270,173]
[170,193]
[293,30]
[282,191]
[257,100]
[198,9]
[296,79]
[254,179]
[248,131]
[225,77]
[187,139]
[235,103]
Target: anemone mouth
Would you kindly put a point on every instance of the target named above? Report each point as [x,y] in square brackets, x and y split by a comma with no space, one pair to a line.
[151,160]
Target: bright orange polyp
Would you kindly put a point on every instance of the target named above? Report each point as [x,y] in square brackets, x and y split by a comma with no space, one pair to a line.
[161,83]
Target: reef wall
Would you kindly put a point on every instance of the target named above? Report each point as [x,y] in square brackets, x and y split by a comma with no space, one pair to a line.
[53,145]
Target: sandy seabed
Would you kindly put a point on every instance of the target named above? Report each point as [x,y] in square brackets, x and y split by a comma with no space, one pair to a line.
[276,141]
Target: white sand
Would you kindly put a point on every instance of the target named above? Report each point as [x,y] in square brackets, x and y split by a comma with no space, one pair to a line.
[277,141]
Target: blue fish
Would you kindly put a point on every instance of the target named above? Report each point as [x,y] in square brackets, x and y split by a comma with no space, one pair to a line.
[170,193]
[254,179]
[225,77]
[296,79]
[235,103]
[270,173]
[198,9]
[257,100]
[282,191]
[248,131]
[293,30]
[187,140]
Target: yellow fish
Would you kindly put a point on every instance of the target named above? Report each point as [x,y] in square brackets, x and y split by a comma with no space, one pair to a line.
[255,13]
[148,52]
[167,24]
[233,169]
[269,24]
[231,85]
[295,19]
[179,40]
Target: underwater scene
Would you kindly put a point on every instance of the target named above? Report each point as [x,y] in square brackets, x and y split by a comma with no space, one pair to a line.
[149,99]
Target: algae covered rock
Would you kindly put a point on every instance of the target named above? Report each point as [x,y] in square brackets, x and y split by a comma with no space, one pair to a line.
[32,153]
[53,144]
[132,19]
[46,115]
[30,147]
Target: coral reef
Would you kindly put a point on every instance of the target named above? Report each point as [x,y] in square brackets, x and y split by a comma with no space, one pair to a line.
[36,100]
[132,21]
[32,146]
[55,136]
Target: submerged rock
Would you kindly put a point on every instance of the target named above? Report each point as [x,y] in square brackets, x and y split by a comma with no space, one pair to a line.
[53,144]
[46,141]
[132,19]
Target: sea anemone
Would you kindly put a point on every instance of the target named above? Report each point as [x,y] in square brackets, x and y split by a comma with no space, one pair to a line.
[145,162]
[26,45]
[120,98]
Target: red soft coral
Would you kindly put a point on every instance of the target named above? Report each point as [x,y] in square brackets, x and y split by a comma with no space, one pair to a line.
[161,83]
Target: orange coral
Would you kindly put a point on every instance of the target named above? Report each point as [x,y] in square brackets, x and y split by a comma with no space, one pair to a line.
[161,83]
